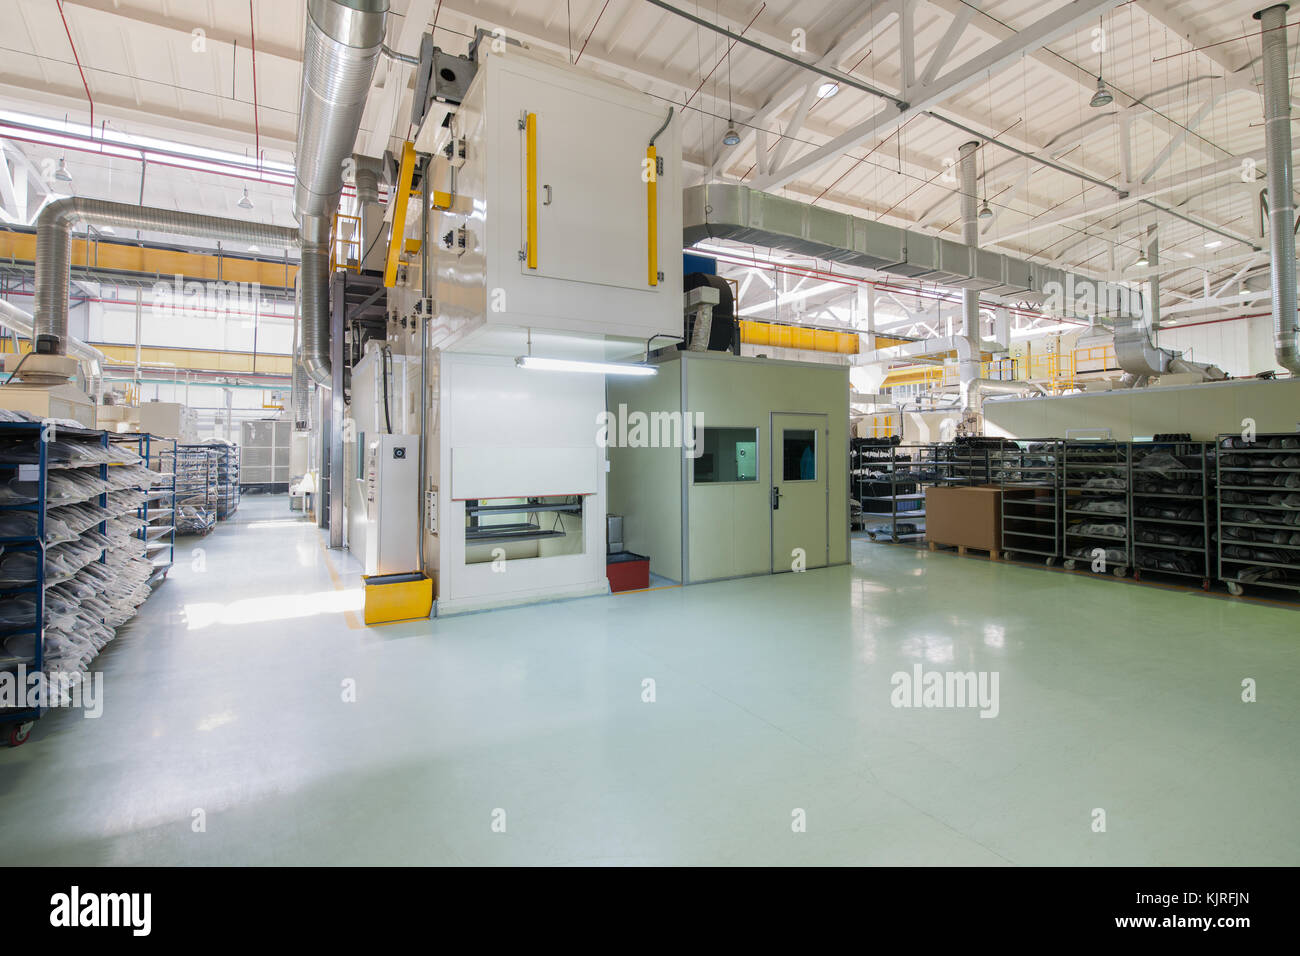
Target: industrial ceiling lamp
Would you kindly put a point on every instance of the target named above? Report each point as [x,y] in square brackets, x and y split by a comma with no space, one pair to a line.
[986,213]
[61,173]
[1103,95]
[244,201]
[1142,260]
[577,365]
[730,137]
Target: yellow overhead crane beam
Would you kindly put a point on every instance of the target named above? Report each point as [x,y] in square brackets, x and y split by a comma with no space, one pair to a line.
[127,257]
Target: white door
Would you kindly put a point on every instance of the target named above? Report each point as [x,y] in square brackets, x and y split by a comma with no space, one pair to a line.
[800,491]
[591,199]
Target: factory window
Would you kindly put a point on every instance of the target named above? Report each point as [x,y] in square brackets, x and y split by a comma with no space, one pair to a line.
[799,455]
[726,454]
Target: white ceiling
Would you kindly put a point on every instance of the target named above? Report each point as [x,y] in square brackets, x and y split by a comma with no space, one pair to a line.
[1187,108]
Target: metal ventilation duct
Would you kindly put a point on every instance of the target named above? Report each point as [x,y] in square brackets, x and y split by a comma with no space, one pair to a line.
[1281,204]
[340,49]
[54,248]
[741,214]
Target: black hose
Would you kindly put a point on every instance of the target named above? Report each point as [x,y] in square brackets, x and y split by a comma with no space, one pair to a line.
[385,359]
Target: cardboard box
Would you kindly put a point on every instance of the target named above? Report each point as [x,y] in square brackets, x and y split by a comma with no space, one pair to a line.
[968,517]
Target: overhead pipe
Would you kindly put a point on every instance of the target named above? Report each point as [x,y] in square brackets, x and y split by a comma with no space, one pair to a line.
[1281,207]
[54,249]
[341,46]
[968,353]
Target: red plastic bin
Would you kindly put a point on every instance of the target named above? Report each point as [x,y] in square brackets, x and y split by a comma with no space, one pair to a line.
[627,571]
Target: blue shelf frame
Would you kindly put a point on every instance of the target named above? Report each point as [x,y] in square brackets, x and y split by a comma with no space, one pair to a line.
[146,446]
[37,432]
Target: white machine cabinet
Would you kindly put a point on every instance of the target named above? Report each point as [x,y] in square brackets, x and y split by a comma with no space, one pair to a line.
[392,477]
[551,229]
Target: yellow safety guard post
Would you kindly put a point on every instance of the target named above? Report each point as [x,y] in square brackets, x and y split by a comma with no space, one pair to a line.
[396,597]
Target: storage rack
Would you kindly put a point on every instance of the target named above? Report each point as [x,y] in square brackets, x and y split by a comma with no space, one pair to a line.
[61,606]
[1032,499]
[227,479]
[1259,511]
[158,511]
[194,470]
[1173,514]
[16,722]
[891,487]
[983,461]
[1096,504]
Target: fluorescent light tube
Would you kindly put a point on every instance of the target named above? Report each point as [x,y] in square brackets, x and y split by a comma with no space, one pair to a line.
[573,365]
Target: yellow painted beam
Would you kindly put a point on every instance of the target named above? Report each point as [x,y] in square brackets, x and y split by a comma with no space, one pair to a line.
[530,197]
[401,199]
[781,335]
[124,257]
[200,360]
[652,213]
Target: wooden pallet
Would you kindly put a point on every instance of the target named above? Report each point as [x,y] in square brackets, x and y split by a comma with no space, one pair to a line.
[963,550]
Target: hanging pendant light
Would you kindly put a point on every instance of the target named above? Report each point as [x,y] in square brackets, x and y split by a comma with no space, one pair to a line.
[244,201]
[986,212]
[730,137]
[61,173]
[1102,97]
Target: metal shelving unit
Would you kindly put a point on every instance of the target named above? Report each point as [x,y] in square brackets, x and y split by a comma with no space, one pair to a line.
[227,479]
[158,511]
[20,623]
[1259,511]
[194,470]
[1096,504]
[891,488]
[1173,514]
[1032,499]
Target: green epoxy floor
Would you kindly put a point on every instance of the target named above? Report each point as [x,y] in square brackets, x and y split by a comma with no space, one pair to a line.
[771,694]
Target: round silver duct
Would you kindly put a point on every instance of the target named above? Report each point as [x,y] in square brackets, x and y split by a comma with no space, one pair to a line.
[340,49]
[54,247]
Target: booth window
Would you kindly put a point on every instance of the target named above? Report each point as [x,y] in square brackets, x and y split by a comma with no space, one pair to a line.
[799,455]
[726,454]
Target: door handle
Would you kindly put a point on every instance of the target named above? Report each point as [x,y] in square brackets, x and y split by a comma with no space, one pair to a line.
[776,498]
[546,189]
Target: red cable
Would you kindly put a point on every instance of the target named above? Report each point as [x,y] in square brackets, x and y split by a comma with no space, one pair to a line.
[725,55]
[593,30]
[84,84]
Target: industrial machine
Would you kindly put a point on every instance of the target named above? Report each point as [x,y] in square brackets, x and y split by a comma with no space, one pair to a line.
[392,476]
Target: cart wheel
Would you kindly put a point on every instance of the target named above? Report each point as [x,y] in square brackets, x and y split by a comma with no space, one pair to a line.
[1050,562]
[1234,588]
[1069,564]
[1119,572]
[18,734]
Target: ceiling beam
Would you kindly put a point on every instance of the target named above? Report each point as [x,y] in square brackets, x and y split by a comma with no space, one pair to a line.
[1055,25]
